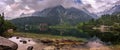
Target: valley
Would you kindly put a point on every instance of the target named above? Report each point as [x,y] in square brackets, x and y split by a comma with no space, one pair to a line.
[60,25]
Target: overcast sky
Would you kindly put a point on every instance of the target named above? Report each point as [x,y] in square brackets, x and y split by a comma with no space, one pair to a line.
[14,8]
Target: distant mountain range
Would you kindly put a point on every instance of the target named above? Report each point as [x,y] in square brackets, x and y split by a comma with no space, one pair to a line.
[63,15]
[57,14]
[114,10]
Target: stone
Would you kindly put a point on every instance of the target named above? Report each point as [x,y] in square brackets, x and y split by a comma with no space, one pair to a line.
[6,44]
[24,42]
[30,48]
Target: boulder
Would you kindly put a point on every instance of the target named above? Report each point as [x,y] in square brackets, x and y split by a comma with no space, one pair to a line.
[6,44]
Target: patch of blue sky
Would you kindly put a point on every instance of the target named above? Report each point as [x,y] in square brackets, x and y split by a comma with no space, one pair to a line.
[78,1]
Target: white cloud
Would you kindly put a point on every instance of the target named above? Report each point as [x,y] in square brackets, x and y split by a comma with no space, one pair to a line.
[99,5]
[14,8]
[18,0]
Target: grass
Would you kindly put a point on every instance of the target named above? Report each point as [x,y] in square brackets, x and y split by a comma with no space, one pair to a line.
[115,47]
[44,36]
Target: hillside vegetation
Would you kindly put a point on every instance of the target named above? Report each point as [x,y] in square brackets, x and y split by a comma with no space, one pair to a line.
[5,25]
[107,28]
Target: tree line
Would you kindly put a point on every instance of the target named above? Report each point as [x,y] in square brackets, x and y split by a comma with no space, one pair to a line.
[5,24]
[113,20]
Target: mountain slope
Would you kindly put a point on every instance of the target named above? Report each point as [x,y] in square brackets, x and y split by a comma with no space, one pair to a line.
[114,10]
[54,16]
[35,20]
[68,15]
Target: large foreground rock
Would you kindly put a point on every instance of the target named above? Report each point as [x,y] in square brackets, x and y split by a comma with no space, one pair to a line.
[6,44]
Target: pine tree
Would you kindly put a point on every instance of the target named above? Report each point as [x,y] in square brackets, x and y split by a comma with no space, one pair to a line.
[1,23]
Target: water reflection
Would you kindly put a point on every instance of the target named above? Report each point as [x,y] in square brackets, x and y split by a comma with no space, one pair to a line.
[69,32]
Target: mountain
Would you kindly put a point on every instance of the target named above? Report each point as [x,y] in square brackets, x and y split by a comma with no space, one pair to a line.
[114,10]
[53,16]
[67,15]
[53,11]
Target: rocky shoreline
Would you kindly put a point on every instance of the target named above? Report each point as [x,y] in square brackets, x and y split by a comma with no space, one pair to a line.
[6,44]
[57,44]
[21,43]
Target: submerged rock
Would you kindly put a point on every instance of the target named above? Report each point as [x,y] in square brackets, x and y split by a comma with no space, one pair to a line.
[30,48]
[96,44]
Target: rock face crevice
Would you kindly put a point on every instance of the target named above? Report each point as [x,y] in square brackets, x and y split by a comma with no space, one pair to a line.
[6,44]
[5,48]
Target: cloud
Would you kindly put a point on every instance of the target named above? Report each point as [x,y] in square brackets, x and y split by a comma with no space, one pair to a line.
[14,8]
[99,5]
